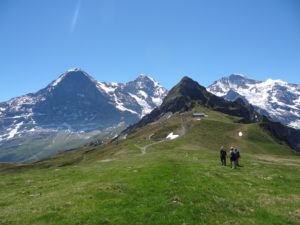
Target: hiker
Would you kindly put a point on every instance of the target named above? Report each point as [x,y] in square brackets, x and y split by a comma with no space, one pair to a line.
[223,154]
[232,156]
[237,153]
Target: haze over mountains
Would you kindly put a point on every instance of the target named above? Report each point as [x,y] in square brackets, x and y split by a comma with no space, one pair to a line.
[72,110]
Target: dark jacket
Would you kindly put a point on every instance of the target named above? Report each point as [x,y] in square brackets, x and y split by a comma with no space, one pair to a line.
[223,153]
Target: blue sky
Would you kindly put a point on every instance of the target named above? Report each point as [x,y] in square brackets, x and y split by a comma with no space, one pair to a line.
[116,40]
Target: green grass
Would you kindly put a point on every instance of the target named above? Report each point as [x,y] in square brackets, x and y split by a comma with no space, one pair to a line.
[161,187]
[175,182]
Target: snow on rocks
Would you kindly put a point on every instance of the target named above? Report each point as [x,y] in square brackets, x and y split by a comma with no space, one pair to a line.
[143,103]
[106,87]
[143,93]
[295,124]
[157,101]
[14,131]
[58,80]
[68,73]
[119,105]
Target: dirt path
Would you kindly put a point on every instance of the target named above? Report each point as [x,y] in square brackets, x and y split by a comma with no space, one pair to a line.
[144,148]
[181,132]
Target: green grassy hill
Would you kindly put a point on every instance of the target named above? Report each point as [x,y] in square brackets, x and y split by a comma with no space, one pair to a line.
[178,181]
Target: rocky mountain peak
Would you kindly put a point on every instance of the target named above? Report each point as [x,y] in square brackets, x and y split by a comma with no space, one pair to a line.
[144,81]
[142,77]
[239,79]
[187,82]
[73,76]
[187,89]
[237,75]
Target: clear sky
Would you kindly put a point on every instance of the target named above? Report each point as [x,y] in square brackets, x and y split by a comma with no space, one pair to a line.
[116,40]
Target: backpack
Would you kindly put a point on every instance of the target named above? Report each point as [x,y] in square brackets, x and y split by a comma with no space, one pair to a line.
[232,155]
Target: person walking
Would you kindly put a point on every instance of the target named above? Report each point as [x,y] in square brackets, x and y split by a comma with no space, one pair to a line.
[232,156]
[237,153]
[223,155]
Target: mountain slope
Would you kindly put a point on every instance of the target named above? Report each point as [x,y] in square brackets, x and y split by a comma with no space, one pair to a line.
[71,111]
[275,98]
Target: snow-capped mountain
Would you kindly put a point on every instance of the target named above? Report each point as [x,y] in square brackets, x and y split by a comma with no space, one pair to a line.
[275,98]
[139,97]
[71,111]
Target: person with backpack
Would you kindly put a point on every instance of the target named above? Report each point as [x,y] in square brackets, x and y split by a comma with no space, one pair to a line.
[223,155]
[232,156]
[237,153]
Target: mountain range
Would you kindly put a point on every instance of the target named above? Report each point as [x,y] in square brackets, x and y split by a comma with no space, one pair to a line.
[75,109]
[72,110]
[275,98]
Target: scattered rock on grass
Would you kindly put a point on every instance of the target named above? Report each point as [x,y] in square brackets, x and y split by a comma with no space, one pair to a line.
[67,204]
[176,200]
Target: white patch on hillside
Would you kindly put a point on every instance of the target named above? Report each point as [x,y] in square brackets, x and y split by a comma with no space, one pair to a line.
[172,136]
